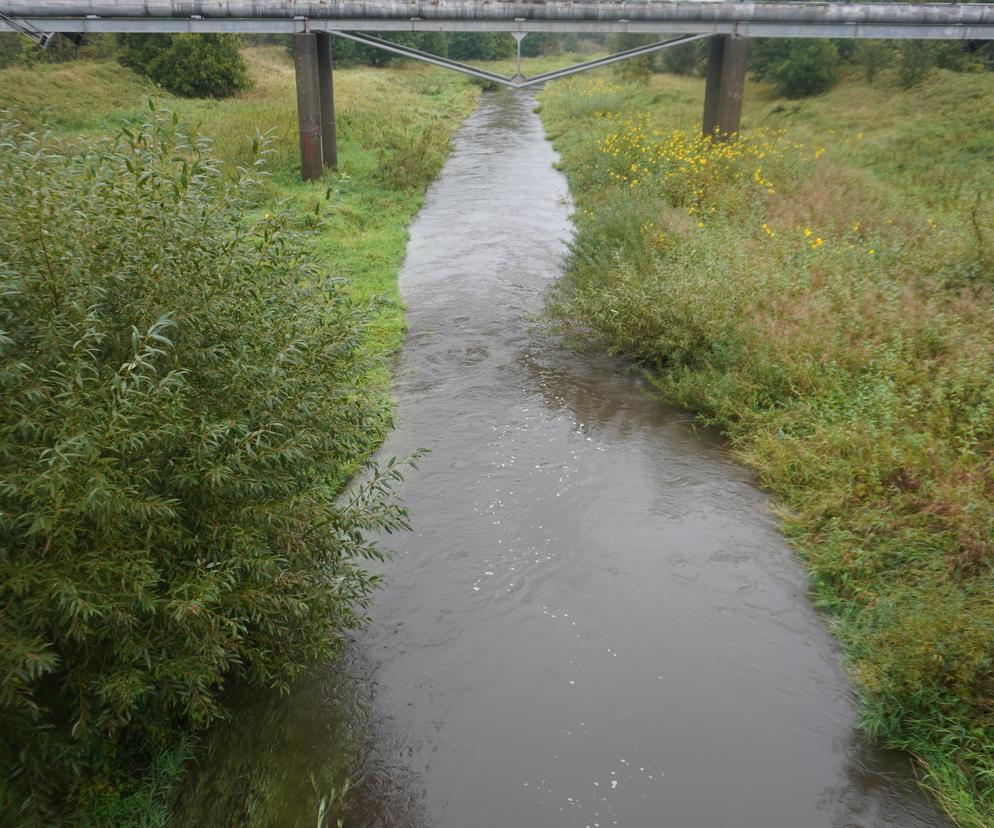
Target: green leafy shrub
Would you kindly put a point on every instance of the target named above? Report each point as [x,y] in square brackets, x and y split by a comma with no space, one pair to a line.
[181,395]
[195,66]
[11,48]
[637,69]
[872,56]
[413,156]
[916,58]
[799,68]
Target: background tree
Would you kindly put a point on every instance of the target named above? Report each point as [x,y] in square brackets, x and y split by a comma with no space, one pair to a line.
[638,69]
[688,59]
[192,65]
[916,57]
[799,68]
[481,45]
[872,56]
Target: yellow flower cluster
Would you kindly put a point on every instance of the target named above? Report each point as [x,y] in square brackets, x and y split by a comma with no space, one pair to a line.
[651,232]
[815,242]
[689,169]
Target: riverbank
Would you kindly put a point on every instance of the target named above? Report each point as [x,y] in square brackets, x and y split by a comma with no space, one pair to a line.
[821,291]
[394,127]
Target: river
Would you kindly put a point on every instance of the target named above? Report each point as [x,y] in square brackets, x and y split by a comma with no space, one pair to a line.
[595,621]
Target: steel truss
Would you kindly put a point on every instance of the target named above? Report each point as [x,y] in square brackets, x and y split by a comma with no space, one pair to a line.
[518,81]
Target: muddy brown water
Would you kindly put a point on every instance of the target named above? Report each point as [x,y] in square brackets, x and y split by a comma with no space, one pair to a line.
[594,622]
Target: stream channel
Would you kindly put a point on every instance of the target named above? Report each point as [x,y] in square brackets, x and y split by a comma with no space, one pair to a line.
[595,621]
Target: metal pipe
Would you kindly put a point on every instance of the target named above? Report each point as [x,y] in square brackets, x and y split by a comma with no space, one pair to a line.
[678,11]
[286,25]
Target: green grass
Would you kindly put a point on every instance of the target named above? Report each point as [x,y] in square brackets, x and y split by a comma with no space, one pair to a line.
[394,128]
[822,291]
[148,802]
[538,65]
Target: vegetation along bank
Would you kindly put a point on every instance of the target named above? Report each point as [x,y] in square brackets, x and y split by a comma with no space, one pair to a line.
[821,289]
[192,362]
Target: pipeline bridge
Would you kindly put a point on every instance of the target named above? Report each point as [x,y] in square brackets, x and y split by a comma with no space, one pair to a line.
[313,24]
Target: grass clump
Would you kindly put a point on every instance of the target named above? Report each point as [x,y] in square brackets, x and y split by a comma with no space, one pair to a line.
[824,295]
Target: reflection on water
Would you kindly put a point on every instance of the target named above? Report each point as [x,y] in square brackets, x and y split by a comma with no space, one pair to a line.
[285,761]
[595,621]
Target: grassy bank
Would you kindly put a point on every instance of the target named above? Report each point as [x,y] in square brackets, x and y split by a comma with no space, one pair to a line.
[393,131]
[822,291]
[394,127]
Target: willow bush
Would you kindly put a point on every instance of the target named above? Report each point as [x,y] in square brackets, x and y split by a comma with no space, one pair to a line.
[181,391]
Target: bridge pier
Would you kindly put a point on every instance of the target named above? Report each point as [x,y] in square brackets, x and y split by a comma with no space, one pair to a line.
[725,85]
[326,90]
[305,62]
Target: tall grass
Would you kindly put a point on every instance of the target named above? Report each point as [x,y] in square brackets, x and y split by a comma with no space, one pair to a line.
[822,291]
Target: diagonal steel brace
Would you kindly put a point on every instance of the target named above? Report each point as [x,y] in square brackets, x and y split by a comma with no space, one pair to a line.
[517,82]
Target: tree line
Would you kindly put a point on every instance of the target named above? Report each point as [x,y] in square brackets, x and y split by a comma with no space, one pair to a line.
[211,65]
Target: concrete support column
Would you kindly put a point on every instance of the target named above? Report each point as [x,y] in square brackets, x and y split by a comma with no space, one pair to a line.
[326,90]
[725,85]
[305,61]
[716,60]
